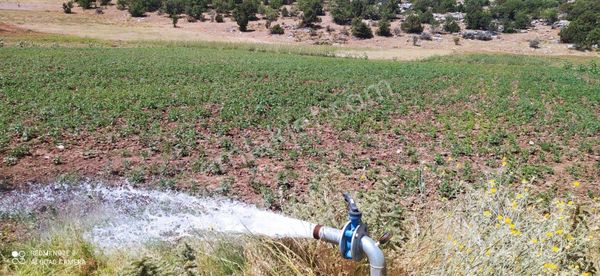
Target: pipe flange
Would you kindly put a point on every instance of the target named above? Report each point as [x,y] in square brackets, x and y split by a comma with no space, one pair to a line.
[355,245]
[342,242]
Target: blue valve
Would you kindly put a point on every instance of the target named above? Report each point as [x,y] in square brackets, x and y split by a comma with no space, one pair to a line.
[352,232]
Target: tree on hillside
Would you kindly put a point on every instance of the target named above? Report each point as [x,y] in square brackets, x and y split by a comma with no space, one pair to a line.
[310,11]
[476,17]
[522,21]
[341,11]
[584,29]
[173,7]
[85,4]
[360,29]
[450,25]
[426,17]
[412,24]
[388,9]
[243,13]
[384,28]
[67,6]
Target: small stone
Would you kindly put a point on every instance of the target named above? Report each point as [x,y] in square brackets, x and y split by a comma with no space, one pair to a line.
[60,147]
[531,143]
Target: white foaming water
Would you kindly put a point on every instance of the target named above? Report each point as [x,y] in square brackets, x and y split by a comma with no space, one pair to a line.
[122,217]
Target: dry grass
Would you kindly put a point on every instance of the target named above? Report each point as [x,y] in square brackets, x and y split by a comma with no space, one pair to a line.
[504,229]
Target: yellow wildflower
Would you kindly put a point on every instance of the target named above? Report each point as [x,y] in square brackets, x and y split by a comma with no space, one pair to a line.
[487,213]
[524,181]
[570,237]
[493,190]
[515,232]
[551,266]
[504,161]
[534,241]
[511,226]
[555,249]
[570,203]
[549,234]
[547,215]
[492,182]
[363,177]
[514,204]
[519,196]
[576,184]
[507,220]
[500,217]
[586,274]
[559,232]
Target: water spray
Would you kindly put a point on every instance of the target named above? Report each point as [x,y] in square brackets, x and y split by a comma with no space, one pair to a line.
[126,217]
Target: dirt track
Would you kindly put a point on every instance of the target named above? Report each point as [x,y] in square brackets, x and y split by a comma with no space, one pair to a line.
[47,16]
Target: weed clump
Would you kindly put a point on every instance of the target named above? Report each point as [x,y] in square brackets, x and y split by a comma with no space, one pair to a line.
[384,28]
[277,30]
[534,43]
[498,230]
[67,7]
[361,30]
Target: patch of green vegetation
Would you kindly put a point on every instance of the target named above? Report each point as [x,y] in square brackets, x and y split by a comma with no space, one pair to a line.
[478,107]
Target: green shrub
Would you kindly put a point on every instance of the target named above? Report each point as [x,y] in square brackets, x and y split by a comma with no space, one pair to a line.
[277,30]
[509,27]
[384,28]
[222,6]
[361,30]
[534,43]
[426,17]
[593,37]
[456,40]
[412,24]
[388,10]
[137,8]
[276,4]
[174,7]
[67,7]
[242,14]
[310,11]
[451,26]
[550,15]
[341,12]
[85,4]
[271,14]
[583,31]
[476,17]
[195,11]
[372,12]
[174,19]
[522,21]
[121,4]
